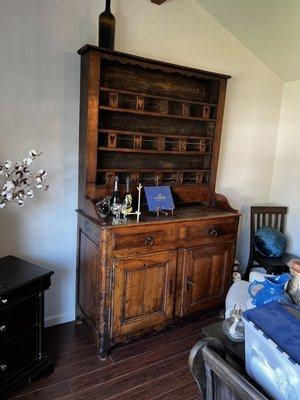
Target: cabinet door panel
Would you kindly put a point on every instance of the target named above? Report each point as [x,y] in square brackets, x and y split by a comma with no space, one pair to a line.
[88,298]
[207,274]
[143,292]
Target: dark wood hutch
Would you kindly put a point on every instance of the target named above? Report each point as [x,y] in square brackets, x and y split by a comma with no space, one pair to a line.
[144,118]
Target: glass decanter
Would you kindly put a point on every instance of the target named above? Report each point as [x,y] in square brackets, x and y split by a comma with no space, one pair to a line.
[116,209]
[233,326]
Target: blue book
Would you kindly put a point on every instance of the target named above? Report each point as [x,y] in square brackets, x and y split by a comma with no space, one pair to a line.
[159,198]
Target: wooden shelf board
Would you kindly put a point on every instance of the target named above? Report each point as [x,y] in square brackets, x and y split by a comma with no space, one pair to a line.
[153,96]
[156,135]
[151,170]
[145,151]
[155,114]
[174,185]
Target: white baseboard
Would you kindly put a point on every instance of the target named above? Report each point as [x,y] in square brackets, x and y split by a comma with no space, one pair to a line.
[58,319]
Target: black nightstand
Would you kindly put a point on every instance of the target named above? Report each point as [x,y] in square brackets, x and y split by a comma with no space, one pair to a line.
[22,358]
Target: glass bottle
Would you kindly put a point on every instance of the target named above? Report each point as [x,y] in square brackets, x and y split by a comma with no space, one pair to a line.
[127,201]
[107,26]
[115,198]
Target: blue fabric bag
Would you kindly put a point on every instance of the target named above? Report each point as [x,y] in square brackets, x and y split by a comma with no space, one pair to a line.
[270,242]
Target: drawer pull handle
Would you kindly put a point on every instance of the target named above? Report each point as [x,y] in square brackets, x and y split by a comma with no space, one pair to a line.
[149,241]
[213,232]
[3,328]
[3,367]
[189,283]
[4,301]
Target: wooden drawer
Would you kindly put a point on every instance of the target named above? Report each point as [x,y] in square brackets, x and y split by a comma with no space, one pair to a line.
[18,355]
[210,232]
[147,239]
[18,318]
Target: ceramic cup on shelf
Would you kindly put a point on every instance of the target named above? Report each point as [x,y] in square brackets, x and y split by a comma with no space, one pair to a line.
[294,284]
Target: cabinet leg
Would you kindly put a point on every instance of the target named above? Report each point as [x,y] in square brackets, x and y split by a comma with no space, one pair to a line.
[78,320]
[104,347]
[103,355]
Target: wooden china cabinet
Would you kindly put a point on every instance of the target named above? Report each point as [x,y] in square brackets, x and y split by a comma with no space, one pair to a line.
[144,119]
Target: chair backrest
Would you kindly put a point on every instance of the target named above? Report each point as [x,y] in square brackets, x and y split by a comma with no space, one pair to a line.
[217,380]
[267,216]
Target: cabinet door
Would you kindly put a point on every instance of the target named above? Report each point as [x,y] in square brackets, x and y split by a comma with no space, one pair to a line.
[207,273]
[144,291]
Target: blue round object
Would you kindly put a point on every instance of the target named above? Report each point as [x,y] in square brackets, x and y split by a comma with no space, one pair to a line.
[270,242]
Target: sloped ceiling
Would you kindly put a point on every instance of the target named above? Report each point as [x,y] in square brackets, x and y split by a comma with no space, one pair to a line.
[269,28]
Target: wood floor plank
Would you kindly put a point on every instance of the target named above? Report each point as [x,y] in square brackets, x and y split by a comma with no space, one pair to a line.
[189,391]
[135,378]
[124,367]
[67,372]
[153,368]
[50,392]
[150,390]
[56,349]
[184,376]
[158,341]
[65,331]
[71,397]
[75,356]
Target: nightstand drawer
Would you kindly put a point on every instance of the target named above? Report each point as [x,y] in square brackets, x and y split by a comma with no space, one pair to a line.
[10,298]
[143,238]
[208,232]
[17,356]
[17,318]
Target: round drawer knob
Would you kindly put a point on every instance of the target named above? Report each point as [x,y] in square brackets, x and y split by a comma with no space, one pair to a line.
[4,301]
[213,232]
[3,328]
[190,283]
[3,367]
[149,241]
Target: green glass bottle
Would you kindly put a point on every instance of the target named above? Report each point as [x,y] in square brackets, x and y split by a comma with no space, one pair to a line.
[107,26]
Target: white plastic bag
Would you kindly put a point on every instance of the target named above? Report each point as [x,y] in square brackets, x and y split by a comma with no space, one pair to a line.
[237,294]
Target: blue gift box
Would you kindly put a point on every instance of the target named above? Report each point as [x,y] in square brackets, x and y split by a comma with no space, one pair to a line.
[159,198]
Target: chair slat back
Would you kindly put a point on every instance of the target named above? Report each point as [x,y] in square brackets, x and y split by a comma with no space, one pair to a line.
[273,217]
[216,378]
[224,382]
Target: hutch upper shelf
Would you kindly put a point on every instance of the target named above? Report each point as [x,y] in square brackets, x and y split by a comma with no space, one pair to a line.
[150,120]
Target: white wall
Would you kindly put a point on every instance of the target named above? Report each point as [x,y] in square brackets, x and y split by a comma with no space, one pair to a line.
[39,103]
[285,185]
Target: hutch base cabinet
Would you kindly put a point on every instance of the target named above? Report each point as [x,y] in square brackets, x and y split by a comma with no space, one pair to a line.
[151,122]
[133,279]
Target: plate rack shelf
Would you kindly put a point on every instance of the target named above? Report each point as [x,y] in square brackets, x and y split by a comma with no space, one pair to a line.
[150,120]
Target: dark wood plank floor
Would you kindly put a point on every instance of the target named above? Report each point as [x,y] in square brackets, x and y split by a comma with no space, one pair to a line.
[152,368]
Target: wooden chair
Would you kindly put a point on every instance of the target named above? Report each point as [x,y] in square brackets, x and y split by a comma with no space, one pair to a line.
[216,378]
[275,218]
